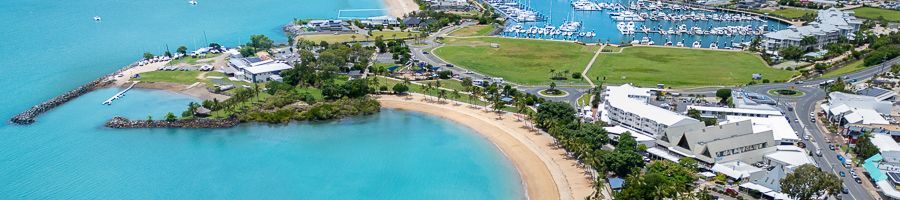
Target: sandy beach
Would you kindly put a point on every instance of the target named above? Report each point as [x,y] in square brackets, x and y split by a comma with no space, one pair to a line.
[545,171]
[398,8]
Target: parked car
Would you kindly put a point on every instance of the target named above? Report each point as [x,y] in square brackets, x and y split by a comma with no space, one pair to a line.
[858,180]
[842,174]
[819,153]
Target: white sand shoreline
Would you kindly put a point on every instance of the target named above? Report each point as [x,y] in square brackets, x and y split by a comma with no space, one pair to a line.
[545,172]
[398,8]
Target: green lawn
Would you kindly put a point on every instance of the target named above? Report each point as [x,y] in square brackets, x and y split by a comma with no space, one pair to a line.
[874,13]
[585,99]
[476,30]
[849,68]
[682,68]
[388,35]
[791,13]
[449,84]
[180,77]
[520,61]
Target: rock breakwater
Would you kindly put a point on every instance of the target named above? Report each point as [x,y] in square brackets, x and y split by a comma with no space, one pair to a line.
[121,122]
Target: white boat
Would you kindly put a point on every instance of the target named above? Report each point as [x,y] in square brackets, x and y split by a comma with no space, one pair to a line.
[668,43]
[645,40]
[679,44]
[193,2]
[97,18]
[696,44]
[713,45]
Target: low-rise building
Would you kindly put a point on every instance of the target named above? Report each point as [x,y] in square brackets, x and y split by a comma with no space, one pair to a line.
[782,132]
[884,168]
[721,112]
[627,106]
[879,94]
[829,27]
[843,108]
[265,72]
[733,141]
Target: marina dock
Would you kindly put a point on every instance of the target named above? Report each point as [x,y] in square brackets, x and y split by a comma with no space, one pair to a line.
[120,94]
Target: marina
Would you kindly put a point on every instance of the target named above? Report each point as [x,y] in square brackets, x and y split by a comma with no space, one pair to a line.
[119,95]
[642,22]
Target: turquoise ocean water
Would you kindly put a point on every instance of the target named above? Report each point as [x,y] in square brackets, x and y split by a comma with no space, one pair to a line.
[49,47]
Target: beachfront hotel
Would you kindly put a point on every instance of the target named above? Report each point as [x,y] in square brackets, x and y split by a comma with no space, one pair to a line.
[628,106]
[830,25]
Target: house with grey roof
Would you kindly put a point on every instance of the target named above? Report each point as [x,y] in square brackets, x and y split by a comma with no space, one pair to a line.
[829,27]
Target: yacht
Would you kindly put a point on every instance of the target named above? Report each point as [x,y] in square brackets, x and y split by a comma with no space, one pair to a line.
[645,40]
[97,18]
[193,2]
[679,44]
[713,45]
[696,44]
[668,43]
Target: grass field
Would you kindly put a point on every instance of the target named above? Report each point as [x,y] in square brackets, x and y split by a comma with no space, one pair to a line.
[477,30]
[849,68]
[180,77]
[331,38]
[874,13]
[682,68]
[449,84]
[792,13]
[520,61]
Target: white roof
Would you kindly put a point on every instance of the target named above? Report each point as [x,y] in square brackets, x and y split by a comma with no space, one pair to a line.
[885,143]
[781,128]
[865,116]
[888,189]
[618,130]
[840,109]
[735,110]
[651,112]
[628,90]
[856,102]
[735,169]
[270,67]
[791,156]
[662,153]
[757,187]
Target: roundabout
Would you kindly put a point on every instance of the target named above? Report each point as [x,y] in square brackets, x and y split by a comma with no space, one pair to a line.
[553,93]
[786,92]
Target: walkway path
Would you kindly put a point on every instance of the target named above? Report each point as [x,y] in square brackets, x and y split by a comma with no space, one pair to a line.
[588,68]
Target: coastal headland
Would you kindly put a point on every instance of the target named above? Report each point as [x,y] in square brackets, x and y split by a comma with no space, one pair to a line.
[546,173]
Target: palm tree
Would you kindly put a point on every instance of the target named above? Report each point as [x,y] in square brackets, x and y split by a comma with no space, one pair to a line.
[353,37]
[456,95]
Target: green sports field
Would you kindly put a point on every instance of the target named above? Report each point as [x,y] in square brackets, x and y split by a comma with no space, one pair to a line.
[521,61]
[682,68]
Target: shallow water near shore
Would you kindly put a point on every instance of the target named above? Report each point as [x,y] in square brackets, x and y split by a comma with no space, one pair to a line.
[391,155]
[50,47]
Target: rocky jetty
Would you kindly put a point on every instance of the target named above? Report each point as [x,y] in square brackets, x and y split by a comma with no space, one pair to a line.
[28,116]
[121,122]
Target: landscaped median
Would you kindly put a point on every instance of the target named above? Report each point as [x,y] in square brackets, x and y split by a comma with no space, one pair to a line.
[522,61]
[682,67]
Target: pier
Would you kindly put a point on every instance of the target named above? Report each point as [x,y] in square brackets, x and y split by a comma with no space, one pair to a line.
[120,94]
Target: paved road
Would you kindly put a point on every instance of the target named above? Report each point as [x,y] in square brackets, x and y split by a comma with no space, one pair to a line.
[423,53]
[801,121]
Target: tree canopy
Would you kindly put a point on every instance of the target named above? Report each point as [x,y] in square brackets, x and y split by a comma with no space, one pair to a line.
[807,180]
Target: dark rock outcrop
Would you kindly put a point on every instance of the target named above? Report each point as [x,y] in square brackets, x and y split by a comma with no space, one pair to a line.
[121,122]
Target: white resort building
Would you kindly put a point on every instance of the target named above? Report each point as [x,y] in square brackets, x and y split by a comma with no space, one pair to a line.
[830,25]
[628,106]
[255,69]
